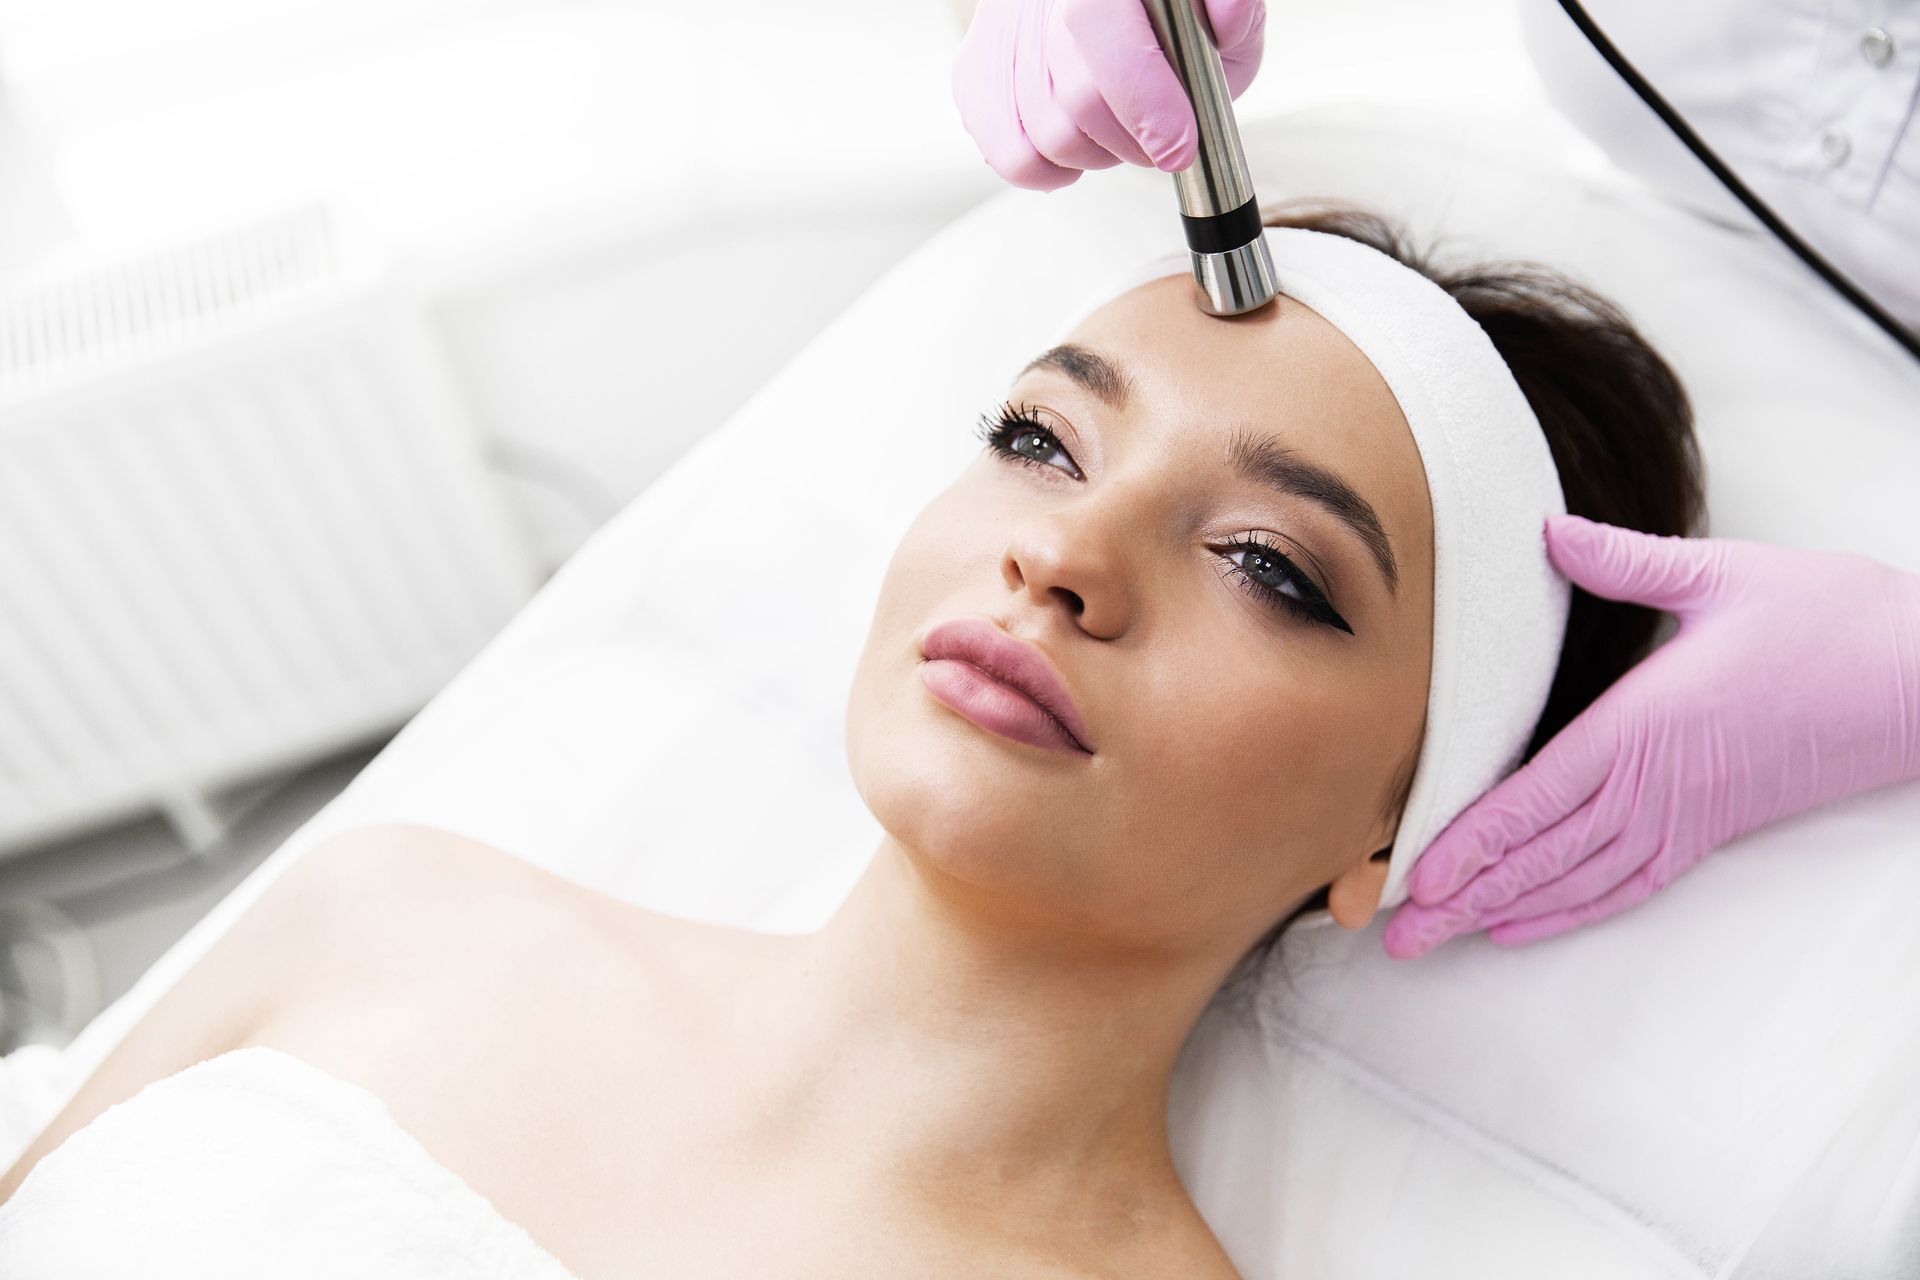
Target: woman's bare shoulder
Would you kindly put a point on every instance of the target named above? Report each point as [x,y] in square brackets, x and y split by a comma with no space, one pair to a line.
[412,905]
[401,931]
[438,943]
[302,931]
[440,879]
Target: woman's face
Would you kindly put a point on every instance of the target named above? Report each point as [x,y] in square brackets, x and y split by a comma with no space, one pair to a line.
[1243,754]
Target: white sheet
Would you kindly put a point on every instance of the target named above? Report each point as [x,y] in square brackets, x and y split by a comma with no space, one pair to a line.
[256,1154]
[1713,1085]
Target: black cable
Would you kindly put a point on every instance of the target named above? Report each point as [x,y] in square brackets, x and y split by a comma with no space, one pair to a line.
[1848,290]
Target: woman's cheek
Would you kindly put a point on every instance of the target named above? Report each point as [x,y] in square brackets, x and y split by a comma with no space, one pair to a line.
[965,530]
[1306,745]
[934,555]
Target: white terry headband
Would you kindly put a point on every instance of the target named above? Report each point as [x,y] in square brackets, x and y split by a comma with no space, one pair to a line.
[1499,605]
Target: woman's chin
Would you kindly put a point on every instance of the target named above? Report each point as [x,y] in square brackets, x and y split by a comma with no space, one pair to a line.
[963,779]
[956,787]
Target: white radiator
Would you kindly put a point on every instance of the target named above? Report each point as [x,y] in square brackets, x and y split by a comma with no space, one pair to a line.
[243,522]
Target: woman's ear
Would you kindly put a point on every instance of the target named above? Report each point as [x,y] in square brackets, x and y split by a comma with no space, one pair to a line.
[1354,895]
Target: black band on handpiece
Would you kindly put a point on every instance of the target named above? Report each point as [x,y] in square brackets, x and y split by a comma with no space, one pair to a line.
[1221,232]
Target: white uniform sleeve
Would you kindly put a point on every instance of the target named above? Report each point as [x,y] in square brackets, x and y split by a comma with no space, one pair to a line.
[1812,104]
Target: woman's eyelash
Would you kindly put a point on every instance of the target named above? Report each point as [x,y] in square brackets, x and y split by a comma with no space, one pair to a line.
[1010,421]
[1314,607]
[1001,427]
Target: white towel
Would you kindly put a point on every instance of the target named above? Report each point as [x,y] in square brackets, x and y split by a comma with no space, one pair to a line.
[251,1164]
[1499,605]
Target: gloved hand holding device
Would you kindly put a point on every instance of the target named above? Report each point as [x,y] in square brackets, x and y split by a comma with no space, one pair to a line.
[1793,680]
[1049,88]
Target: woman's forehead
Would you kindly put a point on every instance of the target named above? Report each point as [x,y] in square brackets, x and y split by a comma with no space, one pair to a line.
[1278,363]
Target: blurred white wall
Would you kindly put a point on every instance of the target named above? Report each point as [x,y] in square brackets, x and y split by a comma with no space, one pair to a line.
[32,219]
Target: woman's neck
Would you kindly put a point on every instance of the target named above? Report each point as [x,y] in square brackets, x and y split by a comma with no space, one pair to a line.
[967,1054]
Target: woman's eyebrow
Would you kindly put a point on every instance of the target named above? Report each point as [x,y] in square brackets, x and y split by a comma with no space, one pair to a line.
[1087,367]
[1265,461]
[1261,461]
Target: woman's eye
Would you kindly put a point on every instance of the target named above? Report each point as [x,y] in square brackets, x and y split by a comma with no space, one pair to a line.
[1261,568]
[1269,576]
[1014,434]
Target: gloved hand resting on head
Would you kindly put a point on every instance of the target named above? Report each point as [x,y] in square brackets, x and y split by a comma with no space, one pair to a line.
[1793,680]
[1048,88]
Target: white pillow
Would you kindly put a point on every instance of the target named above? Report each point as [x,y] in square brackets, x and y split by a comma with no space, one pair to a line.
[1713,1084]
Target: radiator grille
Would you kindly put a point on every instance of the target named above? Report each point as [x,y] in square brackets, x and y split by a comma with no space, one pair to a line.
[242,523]
[68,320]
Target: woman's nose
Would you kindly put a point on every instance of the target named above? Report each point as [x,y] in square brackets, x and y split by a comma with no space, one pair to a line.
[1074,559]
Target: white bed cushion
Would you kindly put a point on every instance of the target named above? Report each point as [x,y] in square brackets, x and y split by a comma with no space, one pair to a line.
[1717,1084]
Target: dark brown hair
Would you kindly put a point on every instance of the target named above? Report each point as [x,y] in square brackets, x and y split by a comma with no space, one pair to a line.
[1616,419]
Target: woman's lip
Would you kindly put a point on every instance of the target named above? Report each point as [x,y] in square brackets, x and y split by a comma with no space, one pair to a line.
[1011,663]
[996,706]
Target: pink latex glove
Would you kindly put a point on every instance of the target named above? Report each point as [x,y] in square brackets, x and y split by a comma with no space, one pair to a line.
[1048,88]
[1793,680]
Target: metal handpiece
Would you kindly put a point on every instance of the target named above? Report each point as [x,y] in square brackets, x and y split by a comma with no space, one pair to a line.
[1231,263]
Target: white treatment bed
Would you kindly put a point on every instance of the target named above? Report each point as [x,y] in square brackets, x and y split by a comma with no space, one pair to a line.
[1720,1083]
